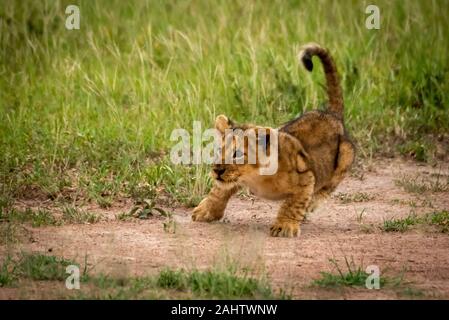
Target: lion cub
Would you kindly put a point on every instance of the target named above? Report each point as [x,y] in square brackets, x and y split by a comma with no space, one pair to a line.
[314,154]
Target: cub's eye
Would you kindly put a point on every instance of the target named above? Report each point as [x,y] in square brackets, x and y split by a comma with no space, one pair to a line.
[238,154]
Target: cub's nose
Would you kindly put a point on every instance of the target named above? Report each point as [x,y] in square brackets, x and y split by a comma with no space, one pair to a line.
[219,171]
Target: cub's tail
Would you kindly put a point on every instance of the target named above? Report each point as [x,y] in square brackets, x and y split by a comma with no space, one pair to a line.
[334,91]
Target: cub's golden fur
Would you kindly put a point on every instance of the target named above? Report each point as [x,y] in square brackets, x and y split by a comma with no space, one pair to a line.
[314,154]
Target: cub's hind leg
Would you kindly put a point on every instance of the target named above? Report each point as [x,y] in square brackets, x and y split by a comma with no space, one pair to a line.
[318,198]
[345,158]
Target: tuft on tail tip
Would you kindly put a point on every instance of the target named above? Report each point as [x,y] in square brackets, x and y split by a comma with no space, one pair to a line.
[307,62]
[306,53]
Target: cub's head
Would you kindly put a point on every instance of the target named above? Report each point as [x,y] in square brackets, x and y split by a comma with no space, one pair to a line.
[243,151]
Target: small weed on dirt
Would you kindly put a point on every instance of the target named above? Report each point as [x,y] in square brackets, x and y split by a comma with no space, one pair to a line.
[400,225]
[145,209]
[420,184]
[168,283]
[42,267]
[439,219]
[353,197]
[7,272]
[412,293]
[33,266]
[217,284]
[353,276]
[37,218]
[71,214]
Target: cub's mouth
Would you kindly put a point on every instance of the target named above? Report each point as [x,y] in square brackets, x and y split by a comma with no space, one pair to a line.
[222,180]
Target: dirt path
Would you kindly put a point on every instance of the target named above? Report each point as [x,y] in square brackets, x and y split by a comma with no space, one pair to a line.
[335,230]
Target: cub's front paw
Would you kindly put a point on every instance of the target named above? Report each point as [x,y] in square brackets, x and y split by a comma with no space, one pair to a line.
[285,228]
[207,212]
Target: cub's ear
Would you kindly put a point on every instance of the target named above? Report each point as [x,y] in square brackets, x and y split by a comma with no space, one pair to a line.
[263,139]
[222,123]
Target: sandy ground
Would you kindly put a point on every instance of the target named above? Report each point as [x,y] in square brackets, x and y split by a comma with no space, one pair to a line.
[335,230]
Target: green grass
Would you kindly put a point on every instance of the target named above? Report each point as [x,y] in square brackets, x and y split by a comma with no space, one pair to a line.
[89,113]
[439,219]
[218,284]
[168,283]
[352,276]
[71,214]
[172,284]
[43,267]
[32,266]
[420,151]
[412,293]
[7,272]
[401,225]
[171,279]
[42,217]
[5,203]
[117,288]
[419,183]
[37,218]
